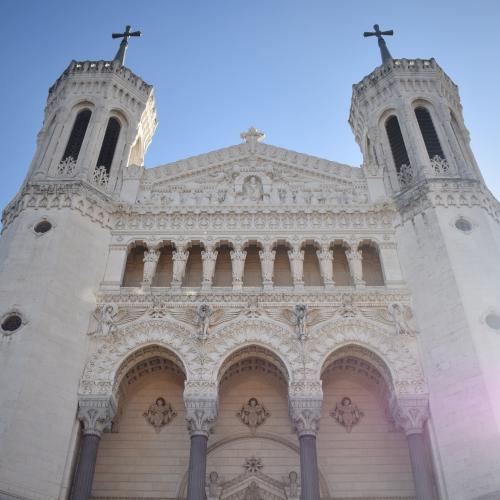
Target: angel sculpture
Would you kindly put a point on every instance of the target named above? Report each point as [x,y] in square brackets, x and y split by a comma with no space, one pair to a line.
[106,319]
[253,414]
[203,312]
[402,315]
[301,318]
[204,317]
[346,413]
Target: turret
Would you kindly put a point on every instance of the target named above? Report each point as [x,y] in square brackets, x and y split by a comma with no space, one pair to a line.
[407,118]
[99,119]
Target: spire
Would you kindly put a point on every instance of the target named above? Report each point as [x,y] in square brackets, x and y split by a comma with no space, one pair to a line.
[384,51]
[120,55]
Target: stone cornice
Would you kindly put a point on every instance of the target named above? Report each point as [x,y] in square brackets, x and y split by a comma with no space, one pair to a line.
[445,193]
[76,195]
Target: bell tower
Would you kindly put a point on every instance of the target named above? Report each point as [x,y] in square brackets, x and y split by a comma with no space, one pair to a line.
[100,118]
[407,119]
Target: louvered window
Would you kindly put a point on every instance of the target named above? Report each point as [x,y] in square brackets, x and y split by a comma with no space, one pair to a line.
[77,135]
[429,133]
[397,143]
[109,144]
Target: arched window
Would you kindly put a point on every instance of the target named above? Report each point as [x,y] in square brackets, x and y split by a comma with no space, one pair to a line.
[397,143]
[77,135]
[109,144]
[429,133]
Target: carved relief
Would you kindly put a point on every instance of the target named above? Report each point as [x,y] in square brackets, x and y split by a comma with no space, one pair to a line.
[253,464]
[253,414]
[159,414]
[403,317]
[346,413]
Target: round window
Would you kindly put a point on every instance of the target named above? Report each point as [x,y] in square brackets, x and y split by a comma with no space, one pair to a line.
[463,225]
[11,323]
[493,321]
[42,227]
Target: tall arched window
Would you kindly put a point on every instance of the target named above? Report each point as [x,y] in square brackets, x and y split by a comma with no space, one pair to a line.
[109,144]
[397,143]
[77,135]
[429,133]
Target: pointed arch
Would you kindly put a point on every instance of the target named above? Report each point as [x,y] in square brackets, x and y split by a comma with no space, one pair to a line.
[428,131]
[396,142]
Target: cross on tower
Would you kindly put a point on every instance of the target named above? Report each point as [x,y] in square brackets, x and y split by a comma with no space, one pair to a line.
[384,51]
[120,55]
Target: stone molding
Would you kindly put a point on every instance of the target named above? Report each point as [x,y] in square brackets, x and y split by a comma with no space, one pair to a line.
[411,413]
[202,361]
[96,414]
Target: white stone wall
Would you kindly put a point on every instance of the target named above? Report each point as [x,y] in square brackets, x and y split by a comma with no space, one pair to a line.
[52,280]
[454,276]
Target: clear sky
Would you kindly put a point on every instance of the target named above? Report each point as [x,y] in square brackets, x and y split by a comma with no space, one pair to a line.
[219,66]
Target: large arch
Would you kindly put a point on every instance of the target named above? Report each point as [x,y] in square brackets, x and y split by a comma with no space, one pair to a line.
[398,353]
[104,365]
[242,333]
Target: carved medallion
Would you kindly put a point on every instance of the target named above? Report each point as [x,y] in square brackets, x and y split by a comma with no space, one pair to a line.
[253,464]
[346,413]
[253,414]
[160,413]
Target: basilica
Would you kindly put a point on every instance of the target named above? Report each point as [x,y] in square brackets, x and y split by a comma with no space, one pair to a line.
[252,323]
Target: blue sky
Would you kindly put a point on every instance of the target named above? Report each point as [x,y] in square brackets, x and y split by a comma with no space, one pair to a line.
[219,66]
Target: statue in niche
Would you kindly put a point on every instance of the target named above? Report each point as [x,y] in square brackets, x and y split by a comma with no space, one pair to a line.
[346,413]
[159,414]
[253,414]
[252,189]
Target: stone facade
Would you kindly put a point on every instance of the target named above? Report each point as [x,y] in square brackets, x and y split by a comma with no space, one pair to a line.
[252,322]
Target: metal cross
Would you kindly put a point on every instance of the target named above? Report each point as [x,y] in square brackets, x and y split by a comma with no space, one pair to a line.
[384,51]
[120,55]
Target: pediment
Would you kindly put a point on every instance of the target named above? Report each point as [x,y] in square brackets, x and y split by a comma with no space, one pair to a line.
[253,174]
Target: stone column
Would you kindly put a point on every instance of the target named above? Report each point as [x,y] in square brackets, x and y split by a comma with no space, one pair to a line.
[410,415]
[325,258]
[150,260]
[238,257]
[267,266]
[179,267]
[355,260]
[296,257]
[95,415]
[209,258]
[200,417]
[305,414]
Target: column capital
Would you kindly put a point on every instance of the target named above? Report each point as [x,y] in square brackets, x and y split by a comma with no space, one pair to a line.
[96,414]
[305,414]
[201,402]
[410,413]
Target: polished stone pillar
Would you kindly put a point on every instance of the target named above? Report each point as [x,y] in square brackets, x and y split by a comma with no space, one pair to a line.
[200,417]
[410,414]
[305,415]
[95,415]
